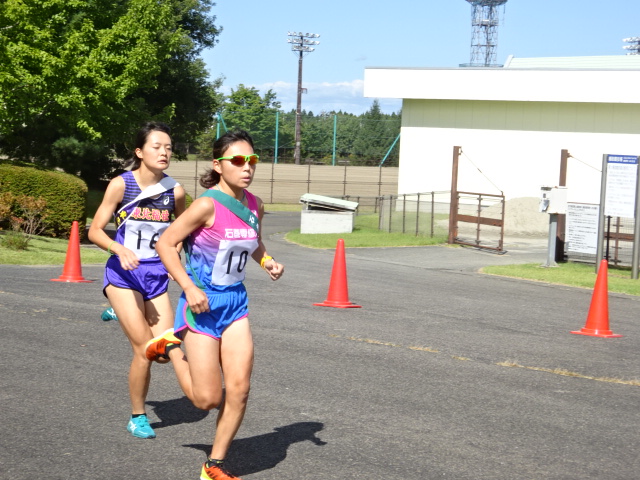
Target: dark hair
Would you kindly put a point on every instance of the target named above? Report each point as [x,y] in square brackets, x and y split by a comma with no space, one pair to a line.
[211,177]
[141,139]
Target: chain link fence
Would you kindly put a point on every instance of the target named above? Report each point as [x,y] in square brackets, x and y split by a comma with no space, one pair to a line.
[286,183]
[417,214]
[373,188]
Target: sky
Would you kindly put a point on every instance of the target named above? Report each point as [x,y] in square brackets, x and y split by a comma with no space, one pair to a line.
[356,34]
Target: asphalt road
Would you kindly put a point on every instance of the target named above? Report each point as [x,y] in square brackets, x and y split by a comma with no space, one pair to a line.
[410,386]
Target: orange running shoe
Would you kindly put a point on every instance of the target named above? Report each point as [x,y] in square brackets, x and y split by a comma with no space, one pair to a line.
[215,472]
[156,348]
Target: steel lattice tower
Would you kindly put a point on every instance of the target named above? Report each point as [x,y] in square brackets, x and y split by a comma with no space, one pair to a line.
[634,45]
[485,18]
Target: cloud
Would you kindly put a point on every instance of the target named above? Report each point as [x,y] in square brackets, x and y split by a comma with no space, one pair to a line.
[325,97]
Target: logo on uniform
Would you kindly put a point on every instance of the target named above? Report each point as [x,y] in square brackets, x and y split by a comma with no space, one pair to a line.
[166,200]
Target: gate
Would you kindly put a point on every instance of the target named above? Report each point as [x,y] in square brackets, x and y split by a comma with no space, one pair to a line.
[481,215]
[477,220]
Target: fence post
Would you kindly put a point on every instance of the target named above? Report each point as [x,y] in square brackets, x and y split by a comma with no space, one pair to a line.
[335,130]
[344,181]
[404,212]
[273,166]
[478,223]
[275,157]
[418,215]
[195,179]
[433,212]
[453,207]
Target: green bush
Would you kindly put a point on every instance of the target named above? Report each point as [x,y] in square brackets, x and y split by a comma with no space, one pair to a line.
[14,240]
[64,195]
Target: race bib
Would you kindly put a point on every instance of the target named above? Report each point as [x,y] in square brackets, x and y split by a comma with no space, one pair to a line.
[231,261]
[141,237]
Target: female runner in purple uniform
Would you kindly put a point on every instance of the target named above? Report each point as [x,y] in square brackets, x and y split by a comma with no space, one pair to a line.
[142,202]
[220,232]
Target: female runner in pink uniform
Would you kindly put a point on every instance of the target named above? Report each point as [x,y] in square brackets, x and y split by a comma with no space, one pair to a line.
[212,314]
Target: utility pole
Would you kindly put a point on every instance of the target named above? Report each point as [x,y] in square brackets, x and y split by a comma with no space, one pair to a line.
[301,44]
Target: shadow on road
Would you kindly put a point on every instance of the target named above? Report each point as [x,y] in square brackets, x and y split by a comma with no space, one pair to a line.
[176,412]
[263,452]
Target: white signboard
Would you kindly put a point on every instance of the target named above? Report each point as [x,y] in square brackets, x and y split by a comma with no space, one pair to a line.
[622,174]
[582,228]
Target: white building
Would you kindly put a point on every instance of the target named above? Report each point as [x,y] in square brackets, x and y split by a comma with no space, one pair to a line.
[513,122]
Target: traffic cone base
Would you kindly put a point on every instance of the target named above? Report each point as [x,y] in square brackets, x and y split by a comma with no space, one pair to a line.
[597,333]
[598,319]
[327,303]
[71,278]
[72,271]
[338,296]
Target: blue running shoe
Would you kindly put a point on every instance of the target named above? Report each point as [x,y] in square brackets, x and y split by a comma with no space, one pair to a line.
[139,427]
[109,314]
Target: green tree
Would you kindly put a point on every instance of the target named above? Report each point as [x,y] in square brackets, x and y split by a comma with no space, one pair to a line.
[360,139]
[287,135]
[373,137]
[347,132]
[184,78]
[79,76]
[246,109]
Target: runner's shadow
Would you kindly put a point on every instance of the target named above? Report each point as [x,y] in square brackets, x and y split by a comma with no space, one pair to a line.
[263,452]
[175,412]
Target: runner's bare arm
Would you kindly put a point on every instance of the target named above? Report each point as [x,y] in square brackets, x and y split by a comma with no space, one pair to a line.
[112,198]
[271,266]
[200,213]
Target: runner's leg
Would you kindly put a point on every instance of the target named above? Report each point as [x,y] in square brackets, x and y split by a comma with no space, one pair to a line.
[203,353]
[130,309]
[236,355]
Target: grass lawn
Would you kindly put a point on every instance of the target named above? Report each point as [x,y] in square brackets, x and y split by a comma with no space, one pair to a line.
[574,274]
[361,237]
[282,207]
[49,251]
[365,234]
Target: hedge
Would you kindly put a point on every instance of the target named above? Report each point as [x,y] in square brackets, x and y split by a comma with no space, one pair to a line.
[65,195]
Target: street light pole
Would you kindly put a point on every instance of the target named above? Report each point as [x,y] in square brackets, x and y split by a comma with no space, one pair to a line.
[301,44]
[298,135]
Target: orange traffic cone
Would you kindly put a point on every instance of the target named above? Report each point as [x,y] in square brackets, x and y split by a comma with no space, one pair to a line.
[72,271]
[338,296]
[598,319]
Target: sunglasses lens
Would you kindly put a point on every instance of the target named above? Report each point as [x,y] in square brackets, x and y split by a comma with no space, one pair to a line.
[239,160]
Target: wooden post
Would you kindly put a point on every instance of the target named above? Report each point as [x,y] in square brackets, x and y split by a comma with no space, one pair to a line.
[453,209]
[562,218]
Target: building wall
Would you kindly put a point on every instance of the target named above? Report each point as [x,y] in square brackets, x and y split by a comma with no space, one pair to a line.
[506,84]
[513,146]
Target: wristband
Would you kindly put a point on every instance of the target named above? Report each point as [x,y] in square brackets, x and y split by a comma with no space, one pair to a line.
[109,248]
[265,259]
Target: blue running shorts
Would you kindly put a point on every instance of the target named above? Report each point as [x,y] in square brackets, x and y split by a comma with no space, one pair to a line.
[150,278]
[227,304]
